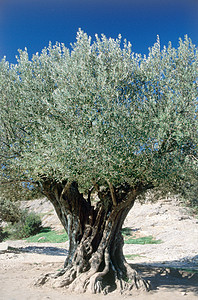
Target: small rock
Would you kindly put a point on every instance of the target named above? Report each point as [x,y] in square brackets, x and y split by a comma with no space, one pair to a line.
[3,246]
[184,218]
[183,293]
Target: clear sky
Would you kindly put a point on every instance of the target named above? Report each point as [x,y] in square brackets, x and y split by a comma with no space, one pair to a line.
[33,23]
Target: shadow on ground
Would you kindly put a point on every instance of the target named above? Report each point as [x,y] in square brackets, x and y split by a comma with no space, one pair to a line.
[54,251]
[171,278]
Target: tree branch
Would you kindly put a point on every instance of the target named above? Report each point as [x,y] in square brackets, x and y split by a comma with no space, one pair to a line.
[113,194]
[89,194]
[167,145]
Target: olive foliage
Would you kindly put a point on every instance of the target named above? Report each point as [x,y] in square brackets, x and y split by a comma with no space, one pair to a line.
[98,110]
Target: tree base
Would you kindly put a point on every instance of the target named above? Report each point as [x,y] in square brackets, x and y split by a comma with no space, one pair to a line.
[95,260]
[103,282]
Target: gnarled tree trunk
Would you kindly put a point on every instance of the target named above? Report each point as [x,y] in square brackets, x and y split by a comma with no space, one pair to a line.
[95,261]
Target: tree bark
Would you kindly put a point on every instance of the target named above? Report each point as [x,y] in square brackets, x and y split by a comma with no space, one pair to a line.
[95,260]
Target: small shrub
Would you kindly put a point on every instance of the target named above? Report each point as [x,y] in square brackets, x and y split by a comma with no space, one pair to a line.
[20,223]
[30,224]
[9,211]
[3,234]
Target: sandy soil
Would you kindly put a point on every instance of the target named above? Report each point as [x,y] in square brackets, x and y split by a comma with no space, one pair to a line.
[22,263]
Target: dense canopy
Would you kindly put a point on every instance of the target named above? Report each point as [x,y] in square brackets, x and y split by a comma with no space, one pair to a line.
[100,111]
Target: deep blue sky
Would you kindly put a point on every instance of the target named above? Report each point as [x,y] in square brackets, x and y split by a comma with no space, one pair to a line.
[33,23]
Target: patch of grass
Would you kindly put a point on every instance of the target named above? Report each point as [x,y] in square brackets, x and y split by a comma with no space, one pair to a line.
[126,231]
[141,241]
[129,238]
[132,256]
[48,236]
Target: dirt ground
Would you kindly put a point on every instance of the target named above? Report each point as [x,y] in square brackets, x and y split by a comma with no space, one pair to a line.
[165,264]
[16,282]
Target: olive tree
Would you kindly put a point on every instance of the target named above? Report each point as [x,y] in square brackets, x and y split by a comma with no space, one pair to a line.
[98,119]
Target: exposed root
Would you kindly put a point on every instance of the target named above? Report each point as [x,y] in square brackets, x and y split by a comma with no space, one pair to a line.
[128,286]
[103,272]
[97,282]
[138,282]
[42,279]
